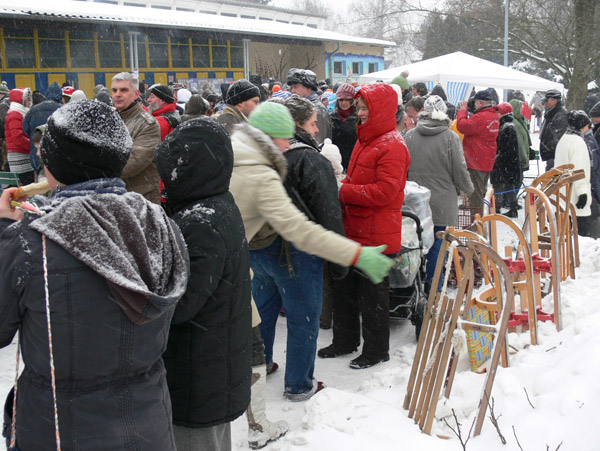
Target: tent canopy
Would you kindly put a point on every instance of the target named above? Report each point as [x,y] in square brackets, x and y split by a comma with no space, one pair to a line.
[456,71]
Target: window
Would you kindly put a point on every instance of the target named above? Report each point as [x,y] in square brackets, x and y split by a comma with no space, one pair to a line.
[141,48]
[81,46]
[229,15]
[373,67]
[356,68]
[19,46]
[109,49]
[200,52]
[220,57]
[237,56]
[247,17]
[159,50]
[338,67]
[180,52]
[53,49]
[311,25]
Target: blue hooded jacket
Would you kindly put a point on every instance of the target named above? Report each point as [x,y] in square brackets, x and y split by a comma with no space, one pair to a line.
[38,115]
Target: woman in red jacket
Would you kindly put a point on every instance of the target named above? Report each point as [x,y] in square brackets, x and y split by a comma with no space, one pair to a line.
[17,142]
[371,196]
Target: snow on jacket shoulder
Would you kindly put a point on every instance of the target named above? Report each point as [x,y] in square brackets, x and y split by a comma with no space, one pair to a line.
[572,149]
[257,186]
[479,143]
[109,372]
[372,194]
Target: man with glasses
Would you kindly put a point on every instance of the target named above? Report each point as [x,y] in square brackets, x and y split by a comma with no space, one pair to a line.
[554,126]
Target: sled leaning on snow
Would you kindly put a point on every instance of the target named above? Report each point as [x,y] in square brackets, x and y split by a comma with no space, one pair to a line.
[445,315]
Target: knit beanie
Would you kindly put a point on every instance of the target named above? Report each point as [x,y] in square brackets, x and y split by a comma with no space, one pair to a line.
[163,92]
[578,119]
[104,96]
[241,91]
[4,88]
[434,103]
[401,81]
[78,95]
[20,95]
[183,95]
[345,91]
[85,140]
[273,119]
[67,91]
[301,109]
[398,90]
[595,111]
[504,108]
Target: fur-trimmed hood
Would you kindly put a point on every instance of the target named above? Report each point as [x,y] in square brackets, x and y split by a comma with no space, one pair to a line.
[254,147]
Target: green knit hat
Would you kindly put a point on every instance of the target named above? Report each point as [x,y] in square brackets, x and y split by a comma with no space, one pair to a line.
[401,81]
[4,88]
[274,119]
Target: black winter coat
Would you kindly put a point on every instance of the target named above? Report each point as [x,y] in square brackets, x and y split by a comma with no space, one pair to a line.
[312,186]
[38,115]
[507,166]
[111,384]
[344,135]
[554,126]
[208,356]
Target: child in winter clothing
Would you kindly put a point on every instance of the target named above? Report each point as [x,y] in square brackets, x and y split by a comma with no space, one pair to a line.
[17,142]
[506,174]
[116,267]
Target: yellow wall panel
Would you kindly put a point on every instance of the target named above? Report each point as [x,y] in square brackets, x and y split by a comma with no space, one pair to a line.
[109,76]
[238,76]
[180,75]
[202,74]
[161,77]
[58,78]
[25,81]
[86,84]
[221,74]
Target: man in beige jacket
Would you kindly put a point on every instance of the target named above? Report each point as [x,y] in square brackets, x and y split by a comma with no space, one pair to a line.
[140,174]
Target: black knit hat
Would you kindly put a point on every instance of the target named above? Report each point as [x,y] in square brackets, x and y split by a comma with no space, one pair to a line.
[163,92]
[595,111]
[241,91]
[85,140]
[578,119]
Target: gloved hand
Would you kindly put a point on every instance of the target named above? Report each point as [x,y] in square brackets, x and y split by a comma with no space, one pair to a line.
[373,263]
[581,201]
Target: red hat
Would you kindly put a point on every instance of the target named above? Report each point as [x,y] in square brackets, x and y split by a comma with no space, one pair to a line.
[276,88]
[345,91]
[68,91]
[504,108]
[20,95]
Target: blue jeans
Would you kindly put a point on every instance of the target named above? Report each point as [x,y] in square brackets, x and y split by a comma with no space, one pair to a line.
[301,297]
[432,257]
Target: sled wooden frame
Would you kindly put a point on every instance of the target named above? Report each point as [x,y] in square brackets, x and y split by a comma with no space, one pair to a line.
[523,283]
[431,363]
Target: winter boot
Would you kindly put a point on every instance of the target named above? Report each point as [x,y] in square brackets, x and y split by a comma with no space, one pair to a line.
[260,430]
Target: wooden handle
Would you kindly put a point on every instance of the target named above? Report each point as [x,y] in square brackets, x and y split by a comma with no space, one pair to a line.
[31,190]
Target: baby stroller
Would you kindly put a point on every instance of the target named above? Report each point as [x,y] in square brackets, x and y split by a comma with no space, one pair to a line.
[408,298]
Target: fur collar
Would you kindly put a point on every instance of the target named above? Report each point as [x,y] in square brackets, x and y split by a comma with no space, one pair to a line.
[15,106]
[265,145]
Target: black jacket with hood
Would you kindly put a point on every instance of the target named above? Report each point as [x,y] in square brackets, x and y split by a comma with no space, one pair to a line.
[507,165]
[555,125]
[116,269]
[208,357]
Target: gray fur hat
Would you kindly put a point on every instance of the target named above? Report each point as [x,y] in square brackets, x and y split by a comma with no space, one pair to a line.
[301,109]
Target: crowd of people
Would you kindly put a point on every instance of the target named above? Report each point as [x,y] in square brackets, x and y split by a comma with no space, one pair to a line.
[146,286]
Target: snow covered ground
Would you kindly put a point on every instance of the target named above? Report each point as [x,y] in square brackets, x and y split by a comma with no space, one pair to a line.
[548,398]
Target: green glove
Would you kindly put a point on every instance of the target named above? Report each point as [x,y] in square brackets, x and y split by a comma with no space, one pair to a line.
[373,263]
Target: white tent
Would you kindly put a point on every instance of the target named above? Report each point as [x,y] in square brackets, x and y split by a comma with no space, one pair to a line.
[457,72]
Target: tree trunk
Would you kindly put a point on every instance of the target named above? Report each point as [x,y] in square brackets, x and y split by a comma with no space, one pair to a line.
[584,29]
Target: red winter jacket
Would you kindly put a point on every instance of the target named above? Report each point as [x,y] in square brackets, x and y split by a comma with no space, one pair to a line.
[16,139]
[161,116]
[372,194]
[481,131]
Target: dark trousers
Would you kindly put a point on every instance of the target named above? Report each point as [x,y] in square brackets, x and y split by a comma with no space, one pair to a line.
[480,182]
[356,296]
[508,198]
